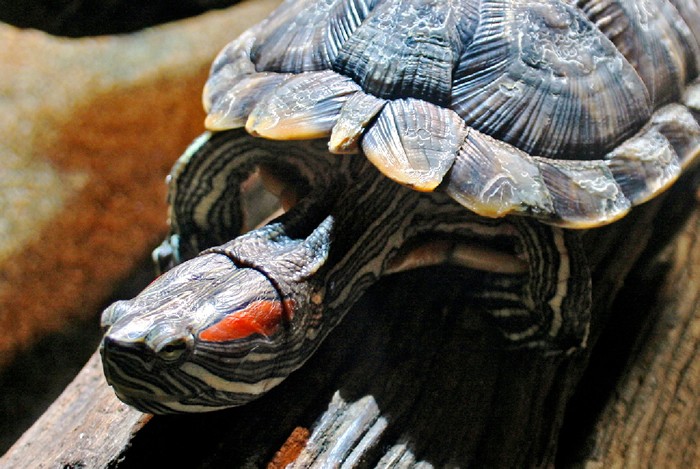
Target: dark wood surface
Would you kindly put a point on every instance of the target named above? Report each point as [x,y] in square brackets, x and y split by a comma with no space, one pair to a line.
[416,376]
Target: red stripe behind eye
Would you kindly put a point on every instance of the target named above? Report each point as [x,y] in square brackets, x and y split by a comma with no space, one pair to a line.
[259,317]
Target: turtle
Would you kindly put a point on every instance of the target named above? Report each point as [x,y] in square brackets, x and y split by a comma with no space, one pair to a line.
[402,134]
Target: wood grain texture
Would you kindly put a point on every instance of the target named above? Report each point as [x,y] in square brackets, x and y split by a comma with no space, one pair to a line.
[85,427]
[652,416]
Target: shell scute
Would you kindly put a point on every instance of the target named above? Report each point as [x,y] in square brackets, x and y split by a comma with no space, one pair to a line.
[305,106]
[644,165]
[689,11]
[494,179]
[355,116]
[306,35]
[584,193]
[653,37]
[539,75]
[404,49]
[555,109]
[414,142]
[232,101]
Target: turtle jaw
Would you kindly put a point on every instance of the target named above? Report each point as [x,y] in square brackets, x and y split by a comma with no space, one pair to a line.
[194,339]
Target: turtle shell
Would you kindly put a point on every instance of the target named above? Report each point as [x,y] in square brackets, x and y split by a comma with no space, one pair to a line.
[568,111]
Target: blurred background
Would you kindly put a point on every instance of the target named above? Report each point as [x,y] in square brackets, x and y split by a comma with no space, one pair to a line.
[97,101]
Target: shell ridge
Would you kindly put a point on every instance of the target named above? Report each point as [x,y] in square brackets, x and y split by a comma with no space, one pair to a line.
[306,35]
[554,51]
[404,49]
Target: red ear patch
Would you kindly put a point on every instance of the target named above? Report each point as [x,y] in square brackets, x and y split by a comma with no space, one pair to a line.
[259,317]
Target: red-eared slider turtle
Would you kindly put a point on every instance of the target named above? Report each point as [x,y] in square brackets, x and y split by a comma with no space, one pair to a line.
[566,112]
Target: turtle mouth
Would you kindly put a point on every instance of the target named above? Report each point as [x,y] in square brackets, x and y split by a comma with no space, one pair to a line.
[150,394]
[162,404]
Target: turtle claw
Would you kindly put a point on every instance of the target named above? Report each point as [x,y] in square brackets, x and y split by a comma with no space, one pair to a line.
[167,254]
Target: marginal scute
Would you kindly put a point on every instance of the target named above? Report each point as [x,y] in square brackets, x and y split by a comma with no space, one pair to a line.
[681,128]
[355,115]
[305,35]
[230,106]
[405,49]
[230,65]
[414,143]
[691,97]
[540,76]
[653,38]
[584,193]
[644,165]
[689,10]
[493,179]
[235,56]
[305,106]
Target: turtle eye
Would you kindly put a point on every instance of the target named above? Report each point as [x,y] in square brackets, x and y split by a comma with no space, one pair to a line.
[172,349]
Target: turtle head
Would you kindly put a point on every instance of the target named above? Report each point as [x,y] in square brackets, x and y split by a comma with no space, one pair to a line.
[194,339]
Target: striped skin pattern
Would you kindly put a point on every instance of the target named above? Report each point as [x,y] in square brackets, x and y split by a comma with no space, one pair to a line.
[314,262]
[564,112]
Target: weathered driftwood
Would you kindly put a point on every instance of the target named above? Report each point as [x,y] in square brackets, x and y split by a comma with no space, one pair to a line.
[414,377]
[644,375]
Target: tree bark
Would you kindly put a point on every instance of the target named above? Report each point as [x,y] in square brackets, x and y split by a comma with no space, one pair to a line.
[415,377]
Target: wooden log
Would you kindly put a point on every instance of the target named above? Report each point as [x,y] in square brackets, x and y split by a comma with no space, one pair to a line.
[649,415]
[85,427]
[414,377]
